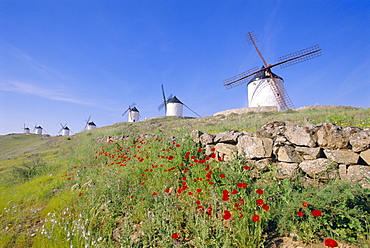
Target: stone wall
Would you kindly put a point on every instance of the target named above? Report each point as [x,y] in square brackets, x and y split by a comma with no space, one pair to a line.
[321,151]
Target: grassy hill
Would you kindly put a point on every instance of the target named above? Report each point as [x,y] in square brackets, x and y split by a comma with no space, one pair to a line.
[155,189]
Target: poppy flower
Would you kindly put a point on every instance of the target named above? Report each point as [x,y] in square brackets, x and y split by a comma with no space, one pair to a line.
[305,204]
[200,208]
[213,155]
[266,207]
[200,150]
[331,243]
[199,190]
[234,191]
[256,218]
[300,213]
[259,191]
[175,236]
[242,185]
[259,202]
[246,167]
[222,175]
[226,215]
[316,213]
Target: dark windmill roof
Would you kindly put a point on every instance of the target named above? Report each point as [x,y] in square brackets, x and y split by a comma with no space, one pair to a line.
[134,109]
[66,128]
[91,123]
[174,100]
[262,75]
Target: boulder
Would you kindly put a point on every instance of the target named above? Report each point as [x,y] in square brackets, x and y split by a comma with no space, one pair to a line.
[260,164]
[227,137]
[342,156]
[359,174]
[254,147]
[308,153]
[330,136]
[288,154]
[286,170]
[301,136]
[226,151]
[195,136]
[365,155]
[359,141]
[271,129]
[315,167]
[206,139]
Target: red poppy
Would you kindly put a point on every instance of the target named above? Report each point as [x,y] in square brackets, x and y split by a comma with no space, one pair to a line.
[300,213]
[226,215]
[200,208]
[259,191]
[213,155]
[80,194]
[259,202]
[234,191]
[199,190]
[200,150]
[316,213]
[256,218]
[213,149]
[242,185]
[331,243]
[175,236]
[246,167]
[209,210]
[222,175]
[305,204]
[266,207]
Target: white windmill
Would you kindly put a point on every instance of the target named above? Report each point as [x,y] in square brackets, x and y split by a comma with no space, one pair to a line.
[89,124]
[173,106]
[26,129]
[64,130]
[38,130]
[133,113]
[264,87]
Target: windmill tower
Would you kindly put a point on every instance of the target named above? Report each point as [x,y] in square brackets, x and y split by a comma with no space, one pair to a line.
[64,130]
[173,106]
[264,87]
[134,114]
[26,130]
[38,130]
[89,124]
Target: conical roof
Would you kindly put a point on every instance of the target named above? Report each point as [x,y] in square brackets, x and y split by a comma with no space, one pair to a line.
[174,100]
[263,74]
[134,109]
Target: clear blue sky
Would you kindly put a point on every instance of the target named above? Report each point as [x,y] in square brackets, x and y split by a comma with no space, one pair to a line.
[61,61]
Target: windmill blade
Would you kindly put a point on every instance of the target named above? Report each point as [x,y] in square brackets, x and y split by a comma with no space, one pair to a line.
[252,39]
[160,107]
[299,56]
[169,97]
[241,78]
[126,111]
[34,128]
[191,110]
[87,122]
[164,100]
[60,130]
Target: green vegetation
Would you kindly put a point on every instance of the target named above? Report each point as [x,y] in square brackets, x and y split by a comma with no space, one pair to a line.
[159,190]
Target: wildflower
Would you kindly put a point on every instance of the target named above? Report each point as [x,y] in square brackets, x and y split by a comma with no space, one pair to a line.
[234,191]
[256,218]
[200,208]
[259,191]
[175,236]
[222,175]
[213,155]
[213,149]
[80,194]
[69,178]
[266,207]
[226,215]
[316,213]
[200,150]
[154,193]
[199,190]
[209,210]
[300,213]
[331,243]
[259,202]
[246,167]
[305,204]
[242,185]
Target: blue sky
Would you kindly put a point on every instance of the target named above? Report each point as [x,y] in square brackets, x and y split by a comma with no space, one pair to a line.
[61,61]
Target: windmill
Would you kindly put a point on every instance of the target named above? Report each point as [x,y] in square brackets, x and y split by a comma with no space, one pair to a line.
[38,130]
[25,129]
[264,87]
[64,130]
[172,105]
[89,124]
[133,115]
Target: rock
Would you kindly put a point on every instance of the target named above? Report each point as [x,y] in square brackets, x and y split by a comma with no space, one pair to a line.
[342,156]
[226,151]
[227,137]
[271,129]
[301,136]
[206,139]
[359,141]
[308,153]
[330,136]
[288,154]
[315,167]
[208,150]
[254,147]
[343,172]
[195,136]
[280,140]
[286,170]
[365,155]
[359,174]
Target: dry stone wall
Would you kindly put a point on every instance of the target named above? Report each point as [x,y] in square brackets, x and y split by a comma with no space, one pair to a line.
[323,151]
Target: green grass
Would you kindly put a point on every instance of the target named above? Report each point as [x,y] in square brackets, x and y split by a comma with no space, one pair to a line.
[58,192]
